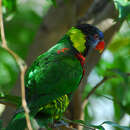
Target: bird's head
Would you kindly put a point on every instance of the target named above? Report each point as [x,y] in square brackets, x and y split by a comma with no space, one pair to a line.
[85,37]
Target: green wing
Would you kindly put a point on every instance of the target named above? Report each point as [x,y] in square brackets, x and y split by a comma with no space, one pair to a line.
[52,75]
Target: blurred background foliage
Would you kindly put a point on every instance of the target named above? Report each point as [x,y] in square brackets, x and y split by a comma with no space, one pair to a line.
[113,95]
[111,101]
[22,20]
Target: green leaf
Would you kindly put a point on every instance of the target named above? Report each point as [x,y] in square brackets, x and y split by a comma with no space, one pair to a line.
[99,127]
[87,125]
[54,2]
[116,125]
[8,71]
[10,5]
[123,8]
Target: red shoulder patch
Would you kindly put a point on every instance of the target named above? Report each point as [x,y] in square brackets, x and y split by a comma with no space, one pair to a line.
[81,58]
[62,50]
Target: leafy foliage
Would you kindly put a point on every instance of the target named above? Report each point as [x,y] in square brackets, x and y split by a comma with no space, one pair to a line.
[123,7]
[10,5]
[54,2]
[23,26]
[98,127]
[116,125]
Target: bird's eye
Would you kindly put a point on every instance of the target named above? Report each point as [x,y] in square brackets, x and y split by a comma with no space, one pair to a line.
[96,37]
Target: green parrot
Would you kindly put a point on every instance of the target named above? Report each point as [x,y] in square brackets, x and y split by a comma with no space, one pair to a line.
[54,76]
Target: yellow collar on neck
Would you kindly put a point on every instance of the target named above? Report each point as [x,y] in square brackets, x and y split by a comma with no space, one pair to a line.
[78,39]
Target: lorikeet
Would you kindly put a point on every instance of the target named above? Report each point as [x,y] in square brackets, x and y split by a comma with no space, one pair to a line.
[53,77]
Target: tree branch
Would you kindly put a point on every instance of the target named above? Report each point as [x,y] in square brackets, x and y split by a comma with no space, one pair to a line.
[22,67]
[4,44]
[97,86]
[73,122]
[8,104]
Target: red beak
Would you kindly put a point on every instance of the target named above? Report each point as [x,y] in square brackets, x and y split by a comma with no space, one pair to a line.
[100,46]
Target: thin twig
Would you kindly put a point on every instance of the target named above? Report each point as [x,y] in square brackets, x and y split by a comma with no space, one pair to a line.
[24,103]
[94,89]
[21,64]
